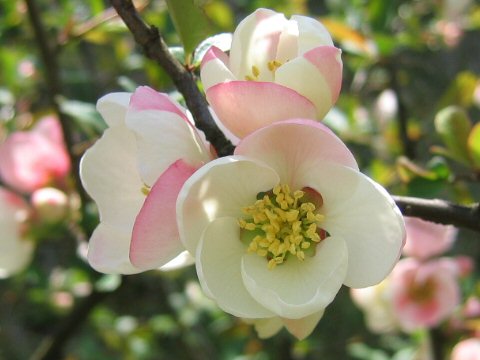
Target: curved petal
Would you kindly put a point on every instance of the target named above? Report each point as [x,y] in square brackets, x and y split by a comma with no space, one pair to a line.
[113,107]
[218,261]
[311,33]
[109,174]
[214,68]
[183,259]
[294,146]
[317,75]
[15,251]
[267,327]
[301,328]
[364,214]
[108,250]
[145,98]
[219,188]
[255,42]
[245,106]
[297,289]
[155,239]
[163,137]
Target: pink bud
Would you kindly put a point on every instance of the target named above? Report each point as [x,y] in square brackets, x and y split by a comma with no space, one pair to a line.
[50,204]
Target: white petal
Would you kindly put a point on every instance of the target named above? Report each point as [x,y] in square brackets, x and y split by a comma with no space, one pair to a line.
[219,188]
[162,138]
[255,43]
[296,289]
[303,327]
[108,251]
[268,327]
[182,260]
[218,267]
[215,69]
[304,77]
[109,174]
[15,251]
[113,107]
[311,32]
[363,213]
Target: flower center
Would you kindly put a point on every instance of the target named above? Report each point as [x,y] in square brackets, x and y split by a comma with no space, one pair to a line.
[281,224]
[422,292]
[272,66]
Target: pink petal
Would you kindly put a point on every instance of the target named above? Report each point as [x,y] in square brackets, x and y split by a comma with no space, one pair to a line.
[245,106]
[214,53]
[214,68]
[155,239]
[328,62]
[145,98]
[50,128]
[292,145]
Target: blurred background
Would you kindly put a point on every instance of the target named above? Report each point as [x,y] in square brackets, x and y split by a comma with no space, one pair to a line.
[404,62]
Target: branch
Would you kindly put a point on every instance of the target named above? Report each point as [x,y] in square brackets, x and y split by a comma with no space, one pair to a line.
[52,78]
[440,211]
[149,38]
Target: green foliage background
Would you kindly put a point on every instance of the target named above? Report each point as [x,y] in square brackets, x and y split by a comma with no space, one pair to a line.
[426,52]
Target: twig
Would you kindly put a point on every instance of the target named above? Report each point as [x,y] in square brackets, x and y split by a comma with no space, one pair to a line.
[149,38]
[440,211]
[52,78]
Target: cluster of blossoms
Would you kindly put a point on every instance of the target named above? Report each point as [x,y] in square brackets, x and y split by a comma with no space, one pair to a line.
[34,165]
[274,229]
[423,289]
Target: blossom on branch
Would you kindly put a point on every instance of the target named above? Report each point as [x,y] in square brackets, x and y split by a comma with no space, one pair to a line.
[134,172]
[33,159]
[277,69]
[278,227]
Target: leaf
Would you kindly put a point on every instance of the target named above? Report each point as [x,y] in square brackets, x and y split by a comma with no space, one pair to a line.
[473,144]
[190,22]
[85,114]
[453,125]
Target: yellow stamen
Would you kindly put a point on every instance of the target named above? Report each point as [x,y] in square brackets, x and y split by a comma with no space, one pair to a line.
[284,223]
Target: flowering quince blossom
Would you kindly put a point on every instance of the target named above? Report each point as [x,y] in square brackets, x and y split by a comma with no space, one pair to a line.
[33,159]
[426,239]
[15,250]
[134,172]
[277,69]
[468,349]
[278,227]
[424,293]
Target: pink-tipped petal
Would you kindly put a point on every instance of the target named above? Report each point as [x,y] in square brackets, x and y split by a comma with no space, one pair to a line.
[155,239]
[245,106]
[293,146]
[316,75]
[214,68]
[145,98]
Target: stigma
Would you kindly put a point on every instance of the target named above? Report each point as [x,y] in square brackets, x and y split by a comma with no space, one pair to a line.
[282,224]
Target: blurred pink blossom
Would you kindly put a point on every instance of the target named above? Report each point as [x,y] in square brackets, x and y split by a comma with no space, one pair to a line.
[467,350]
[424,293]
[426,239]
[33,159]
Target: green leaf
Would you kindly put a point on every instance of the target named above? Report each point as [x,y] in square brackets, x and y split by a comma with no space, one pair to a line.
[473,144]
[453,125]
[85,115]
[190,22]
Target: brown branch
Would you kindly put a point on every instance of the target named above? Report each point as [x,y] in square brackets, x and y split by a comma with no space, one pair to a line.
[54,89]
[149,38]
[440,211]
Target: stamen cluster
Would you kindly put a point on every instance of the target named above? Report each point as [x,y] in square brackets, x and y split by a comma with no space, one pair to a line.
[281,224]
